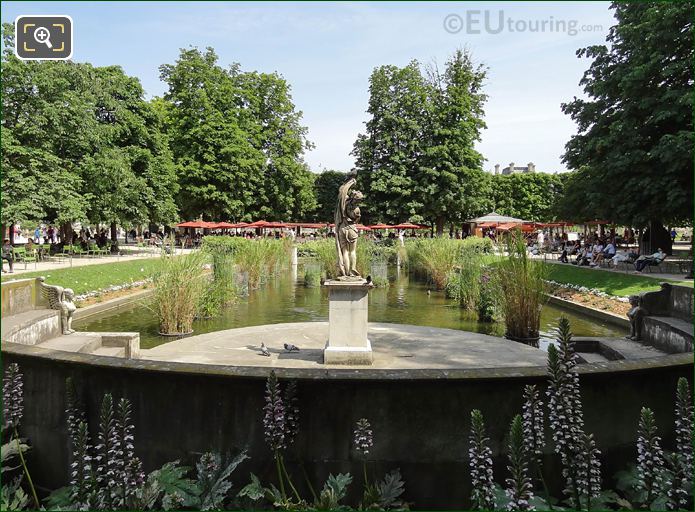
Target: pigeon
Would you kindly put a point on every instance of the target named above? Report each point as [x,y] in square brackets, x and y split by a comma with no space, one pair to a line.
[264,350]
[291,348]
[369,279]
[429,292]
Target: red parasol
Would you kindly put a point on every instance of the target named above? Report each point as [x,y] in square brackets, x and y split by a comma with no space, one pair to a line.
[409,225]
[526,228]
[197,224]
[258,224]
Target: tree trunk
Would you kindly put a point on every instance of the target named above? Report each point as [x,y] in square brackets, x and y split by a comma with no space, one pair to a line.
[114,232]
[654,237]
[440,225]
[11,234]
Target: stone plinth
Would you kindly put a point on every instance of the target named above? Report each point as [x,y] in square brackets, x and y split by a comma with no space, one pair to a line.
[347,323]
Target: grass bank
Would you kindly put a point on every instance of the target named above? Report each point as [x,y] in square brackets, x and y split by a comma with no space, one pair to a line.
[612,283]
[90,278]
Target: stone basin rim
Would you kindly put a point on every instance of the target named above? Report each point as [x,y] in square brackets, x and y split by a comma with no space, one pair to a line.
[337,373]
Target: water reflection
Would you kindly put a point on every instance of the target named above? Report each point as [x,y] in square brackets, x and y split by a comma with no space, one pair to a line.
[286,299]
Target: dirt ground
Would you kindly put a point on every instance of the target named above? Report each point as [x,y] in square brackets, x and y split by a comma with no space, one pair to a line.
[111,295]
[589,299]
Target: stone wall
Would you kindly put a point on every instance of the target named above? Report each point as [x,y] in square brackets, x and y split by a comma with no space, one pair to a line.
[420,425]
[20,296]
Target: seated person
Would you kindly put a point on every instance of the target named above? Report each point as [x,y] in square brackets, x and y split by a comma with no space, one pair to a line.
[583,255]
[652,259]
[606,254]
[7,254]
[563,255]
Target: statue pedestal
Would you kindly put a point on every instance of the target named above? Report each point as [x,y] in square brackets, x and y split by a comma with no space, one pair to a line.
[347,323]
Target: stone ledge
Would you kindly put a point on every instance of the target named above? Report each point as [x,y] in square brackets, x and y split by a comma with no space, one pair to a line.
[598,314]
[141,365]
[107,305]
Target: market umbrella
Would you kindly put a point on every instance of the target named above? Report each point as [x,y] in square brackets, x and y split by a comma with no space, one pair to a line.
[409,225]
[193,224]
[495,218]
[258,224]
[381,226]
[508,226]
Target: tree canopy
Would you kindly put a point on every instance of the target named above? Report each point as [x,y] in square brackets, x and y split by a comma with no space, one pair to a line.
[237,141]
[527,196]
[633,152]
[326,188]
[80,143]
[417,160]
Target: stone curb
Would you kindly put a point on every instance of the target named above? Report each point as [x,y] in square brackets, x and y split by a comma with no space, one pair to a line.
[597,314]
[532,372]
[118,302]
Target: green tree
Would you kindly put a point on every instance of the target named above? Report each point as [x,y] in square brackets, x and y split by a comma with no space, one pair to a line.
[130,179]
[287,190]
[417,159]
[47,126]
[634,146]
[527,196]
[450,179]
[388,155]
[80,143]
[236,140]
[326,188]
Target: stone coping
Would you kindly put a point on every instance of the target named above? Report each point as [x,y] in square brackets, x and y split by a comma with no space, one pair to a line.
[598,314]
[108,305]
[367,374]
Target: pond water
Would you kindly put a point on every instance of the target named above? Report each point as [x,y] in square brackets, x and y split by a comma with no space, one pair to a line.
[286,299]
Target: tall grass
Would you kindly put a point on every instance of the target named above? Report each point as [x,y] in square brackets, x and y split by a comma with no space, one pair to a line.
[464,282]
[521,289]
[436,258]
[221,290]
[179,285]
[443,259]
[259,259]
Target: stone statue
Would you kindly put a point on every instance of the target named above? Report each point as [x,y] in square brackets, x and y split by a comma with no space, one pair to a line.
[61,299]
[636,316]
[347,215]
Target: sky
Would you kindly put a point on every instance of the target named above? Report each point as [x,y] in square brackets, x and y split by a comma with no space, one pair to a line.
[327,50]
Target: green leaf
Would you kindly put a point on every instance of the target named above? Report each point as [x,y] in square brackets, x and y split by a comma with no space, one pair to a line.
[171,479]
[390,489]
[10,450]
[253,490]
[59,499]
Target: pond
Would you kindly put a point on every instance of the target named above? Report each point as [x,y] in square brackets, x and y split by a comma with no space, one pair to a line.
[286,299]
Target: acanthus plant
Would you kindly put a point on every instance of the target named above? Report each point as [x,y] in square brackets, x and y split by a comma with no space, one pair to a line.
[681,461]
[363,440]
[480,462]
[280,426]
[519,488]
[580,469]
[650,457]
[12,414]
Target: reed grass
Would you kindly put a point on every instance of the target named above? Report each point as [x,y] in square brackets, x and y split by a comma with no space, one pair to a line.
[259,258]
[436,258]
[520,286]
[179,285]
[464,282]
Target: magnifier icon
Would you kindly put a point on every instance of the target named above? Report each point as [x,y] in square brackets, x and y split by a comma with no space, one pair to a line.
[43,36]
